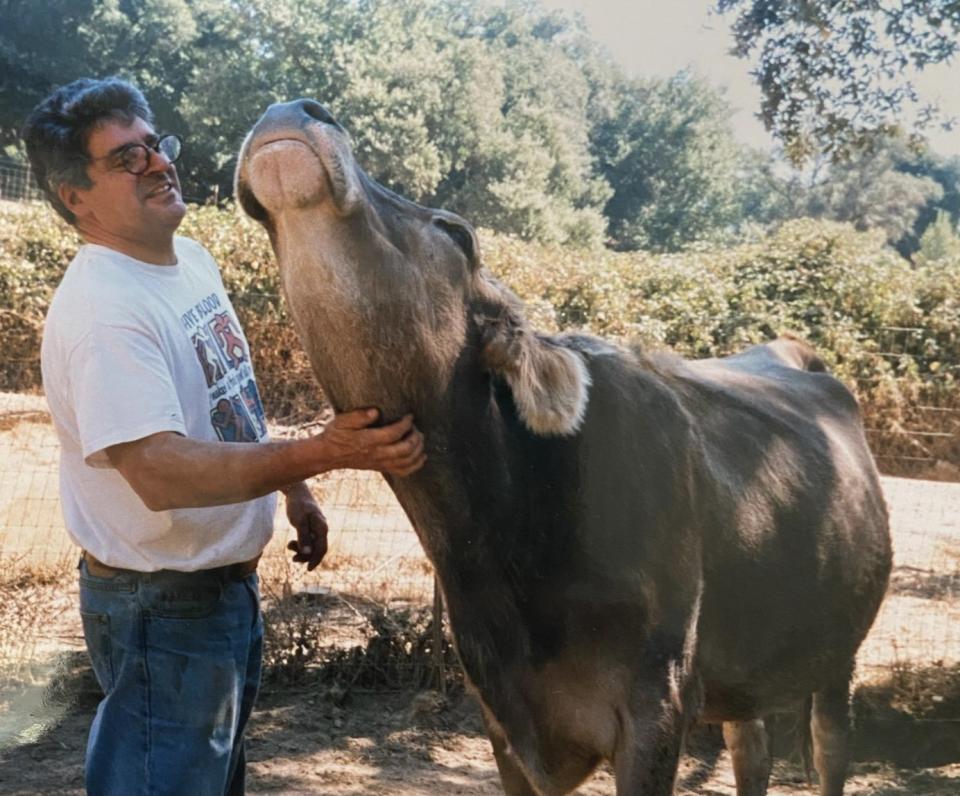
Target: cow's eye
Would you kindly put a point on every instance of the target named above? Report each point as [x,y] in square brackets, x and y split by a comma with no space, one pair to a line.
[460,235]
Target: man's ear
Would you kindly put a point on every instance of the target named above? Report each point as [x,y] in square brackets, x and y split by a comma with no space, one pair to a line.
[72,198]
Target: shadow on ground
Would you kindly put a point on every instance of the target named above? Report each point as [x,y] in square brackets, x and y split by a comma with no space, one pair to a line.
[317,737]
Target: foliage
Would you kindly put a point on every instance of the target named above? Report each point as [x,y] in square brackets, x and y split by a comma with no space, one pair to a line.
[149,41]
[504,112]
[940,243]
[889,330]
[844,290]
[373,646]
[946,173]
[822,280]
[482,110]
[869,191]
[833,73]
[667,150]
[398,653]
[889,187]
[511,114]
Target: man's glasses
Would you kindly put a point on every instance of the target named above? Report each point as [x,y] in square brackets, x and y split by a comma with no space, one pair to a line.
[135,158]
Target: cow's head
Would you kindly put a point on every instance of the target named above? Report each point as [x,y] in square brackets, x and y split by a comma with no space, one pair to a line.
[387,294]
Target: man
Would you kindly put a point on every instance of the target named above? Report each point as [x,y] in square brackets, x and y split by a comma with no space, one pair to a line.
[148,377]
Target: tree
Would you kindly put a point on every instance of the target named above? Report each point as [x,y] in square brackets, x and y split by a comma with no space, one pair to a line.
[768,192]
[946,173]
[834,72]
[940,241]
[871,190]
[452,104]
[29,65]
[148,41]
[540,178]
[667,150]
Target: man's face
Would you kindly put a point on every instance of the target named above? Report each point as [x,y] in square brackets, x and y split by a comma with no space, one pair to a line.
[134,207]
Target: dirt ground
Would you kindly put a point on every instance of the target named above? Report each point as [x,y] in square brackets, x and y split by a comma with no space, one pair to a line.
[306,740]
[412,744]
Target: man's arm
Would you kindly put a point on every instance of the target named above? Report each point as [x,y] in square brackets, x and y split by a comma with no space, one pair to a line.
[307,518]
[171,471]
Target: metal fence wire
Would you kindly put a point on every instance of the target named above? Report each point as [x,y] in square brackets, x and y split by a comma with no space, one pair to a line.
[927,443]
[17,182]
[375,564]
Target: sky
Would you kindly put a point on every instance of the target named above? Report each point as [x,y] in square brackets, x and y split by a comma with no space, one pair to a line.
[657,38]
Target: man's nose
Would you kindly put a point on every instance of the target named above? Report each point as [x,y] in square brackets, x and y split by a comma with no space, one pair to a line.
[156,161]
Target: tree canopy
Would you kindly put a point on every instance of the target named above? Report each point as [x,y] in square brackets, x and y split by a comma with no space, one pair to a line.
[667,150]
[511,114]
[837,73]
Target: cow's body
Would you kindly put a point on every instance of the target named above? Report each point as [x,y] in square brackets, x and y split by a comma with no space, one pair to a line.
[626,543]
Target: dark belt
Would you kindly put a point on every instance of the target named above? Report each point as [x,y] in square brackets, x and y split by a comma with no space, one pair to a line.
[229,572]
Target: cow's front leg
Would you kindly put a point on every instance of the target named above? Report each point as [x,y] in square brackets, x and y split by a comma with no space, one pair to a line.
[750,752]
[514,781]
[653,733]
[646,762]
[563,766]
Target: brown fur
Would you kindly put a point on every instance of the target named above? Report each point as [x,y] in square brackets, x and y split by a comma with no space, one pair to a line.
[626,543]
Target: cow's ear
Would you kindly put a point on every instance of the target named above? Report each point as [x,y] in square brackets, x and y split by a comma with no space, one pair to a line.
[462,234]
[550,383]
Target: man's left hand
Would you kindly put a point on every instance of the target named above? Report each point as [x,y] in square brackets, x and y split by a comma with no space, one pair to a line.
[304,514]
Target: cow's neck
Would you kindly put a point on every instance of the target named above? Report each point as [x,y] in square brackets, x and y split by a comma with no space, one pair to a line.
[392,353]
[482,508]
[374,336]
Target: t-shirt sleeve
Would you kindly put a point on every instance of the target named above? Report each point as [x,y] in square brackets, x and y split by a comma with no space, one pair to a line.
[122,390]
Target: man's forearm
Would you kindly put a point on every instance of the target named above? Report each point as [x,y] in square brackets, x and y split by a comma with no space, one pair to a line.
[171,471]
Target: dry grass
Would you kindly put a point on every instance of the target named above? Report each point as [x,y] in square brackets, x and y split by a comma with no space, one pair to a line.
[37,614]
[375,576]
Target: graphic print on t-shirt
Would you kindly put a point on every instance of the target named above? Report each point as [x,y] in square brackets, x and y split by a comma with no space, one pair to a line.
[236,411]
[232,423]
[230,343]
[251,400]
[213,368]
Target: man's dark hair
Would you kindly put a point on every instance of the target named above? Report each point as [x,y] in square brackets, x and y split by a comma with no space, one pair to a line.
[57,131]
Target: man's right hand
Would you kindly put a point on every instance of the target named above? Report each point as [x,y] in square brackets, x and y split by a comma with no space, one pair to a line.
[349,442]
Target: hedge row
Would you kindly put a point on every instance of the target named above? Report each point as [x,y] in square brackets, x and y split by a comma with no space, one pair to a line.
[887,328]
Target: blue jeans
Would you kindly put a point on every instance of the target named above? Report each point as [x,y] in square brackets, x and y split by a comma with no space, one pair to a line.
[178,657]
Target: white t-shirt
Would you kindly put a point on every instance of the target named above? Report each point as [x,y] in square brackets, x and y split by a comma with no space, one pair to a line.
[131,349]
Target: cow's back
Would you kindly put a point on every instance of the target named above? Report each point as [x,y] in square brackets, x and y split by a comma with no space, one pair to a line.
[796,544]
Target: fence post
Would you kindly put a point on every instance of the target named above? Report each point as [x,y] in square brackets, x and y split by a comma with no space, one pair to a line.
[438,662]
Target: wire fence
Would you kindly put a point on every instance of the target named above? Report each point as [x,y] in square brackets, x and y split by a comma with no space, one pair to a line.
[17,183]
[926,443]
[375,557]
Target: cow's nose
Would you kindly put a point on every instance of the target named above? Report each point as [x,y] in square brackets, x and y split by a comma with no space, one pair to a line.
[296,113]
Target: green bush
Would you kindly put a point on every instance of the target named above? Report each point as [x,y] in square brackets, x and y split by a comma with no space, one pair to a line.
[844,291]
[887,329]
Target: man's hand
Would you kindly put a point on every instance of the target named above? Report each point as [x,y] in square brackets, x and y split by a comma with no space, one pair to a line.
[349,442]
[305,516]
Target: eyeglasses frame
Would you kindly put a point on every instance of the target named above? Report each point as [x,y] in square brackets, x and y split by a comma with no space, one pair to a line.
[148,149]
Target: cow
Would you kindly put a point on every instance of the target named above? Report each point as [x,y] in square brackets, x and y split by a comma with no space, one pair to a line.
[627,542]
